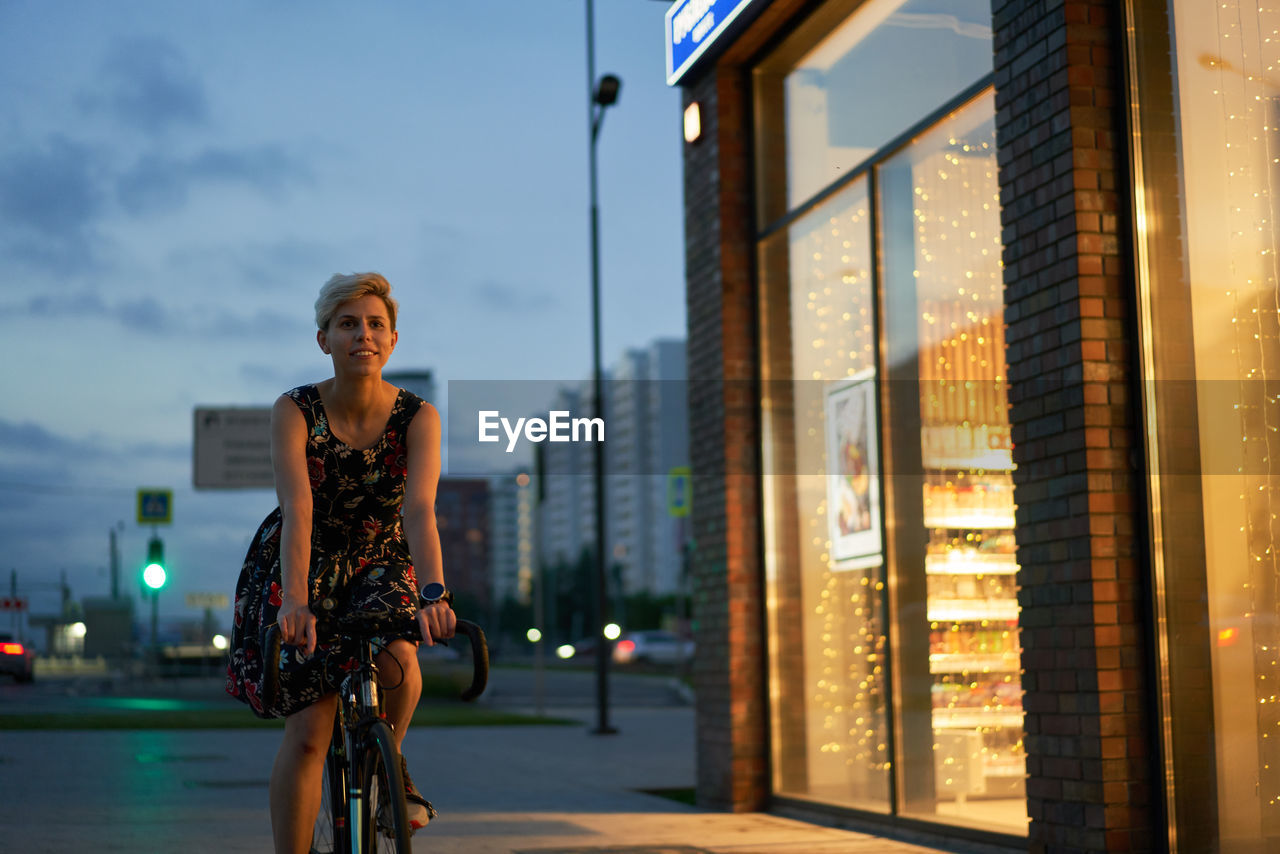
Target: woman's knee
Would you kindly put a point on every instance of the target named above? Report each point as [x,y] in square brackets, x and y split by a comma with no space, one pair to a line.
[307,732]
[397,662]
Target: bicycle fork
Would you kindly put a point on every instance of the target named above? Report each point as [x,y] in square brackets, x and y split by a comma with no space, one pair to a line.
[356,795]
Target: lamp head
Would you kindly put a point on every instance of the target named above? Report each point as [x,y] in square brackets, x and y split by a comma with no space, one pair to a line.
[607,90]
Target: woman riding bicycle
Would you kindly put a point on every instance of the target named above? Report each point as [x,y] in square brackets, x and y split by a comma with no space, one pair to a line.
[356,463]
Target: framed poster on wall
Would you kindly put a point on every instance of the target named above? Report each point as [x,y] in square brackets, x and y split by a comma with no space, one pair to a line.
[853,473]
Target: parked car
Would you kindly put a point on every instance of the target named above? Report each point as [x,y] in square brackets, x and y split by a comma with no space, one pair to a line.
[586,647]
[652,647]
[17,659]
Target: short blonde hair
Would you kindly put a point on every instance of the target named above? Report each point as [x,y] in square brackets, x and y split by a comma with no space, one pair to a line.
[340,289]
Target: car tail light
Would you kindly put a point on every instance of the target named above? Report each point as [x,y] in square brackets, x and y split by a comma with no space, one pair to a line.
[626,647]
[11,649]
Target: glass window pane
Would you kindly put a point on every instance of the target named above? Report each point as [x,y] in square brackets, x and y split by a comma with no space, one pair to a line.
[822,527]
[957,657]
[844,85]
[1210,195]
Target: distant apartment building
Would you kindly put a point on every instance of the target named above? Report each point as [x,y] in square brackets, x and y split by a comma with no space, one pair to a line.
[462,517]
[512,542]
[565,491]
[649,438]
[646,417]
[421,382]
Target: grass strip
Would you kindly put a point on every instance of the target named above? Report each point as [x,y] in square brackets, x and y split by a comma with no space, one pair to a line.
[684,796]
[428,714]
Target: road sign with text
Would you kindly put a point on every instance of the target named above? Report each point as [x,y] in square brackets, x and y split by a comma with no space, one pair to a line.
[233,448]
[208,600]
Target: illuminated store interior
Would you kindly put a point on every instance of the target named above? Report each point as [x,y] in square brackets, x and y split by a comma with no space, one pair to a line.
[889,516]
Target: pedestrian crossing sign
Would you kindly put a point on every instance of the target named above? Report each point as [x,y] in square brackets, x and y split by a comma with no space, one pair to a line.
[679,491]
[155,506]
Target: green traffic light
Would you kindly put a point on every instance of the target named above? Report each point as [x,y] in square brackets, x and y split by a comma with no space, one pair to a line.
[154,576]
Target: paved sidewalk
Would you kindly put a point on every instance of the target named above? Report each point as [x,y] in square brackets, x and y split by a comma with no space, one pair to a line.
[564,790]
[521,790]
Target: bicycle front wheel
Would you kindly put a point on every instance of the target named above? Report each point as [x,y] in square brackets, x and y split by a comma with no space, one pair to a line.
[384,821]
[330,833]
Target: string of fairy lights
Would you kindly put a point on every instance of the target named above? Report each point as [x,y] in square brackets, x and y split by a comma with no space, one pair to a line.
[1246,85]
[831,311]
[968,495]
[968,492]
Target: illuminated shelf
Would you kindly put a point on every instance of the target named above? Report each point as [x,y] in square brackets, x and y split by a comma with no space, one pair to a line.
[1005,767]
[967,447]
[986,461]
[940,662]
[971,521]
[970,563]
[973,610]
[975,718]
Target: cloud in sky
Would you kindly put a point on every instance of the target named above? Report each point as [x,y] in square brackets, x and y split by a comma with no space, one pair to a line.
[29,441]
[160,183]
[510,299]
[146,83]
[37,461]
[148,314]
[50,199]
[55,194]
[257,267]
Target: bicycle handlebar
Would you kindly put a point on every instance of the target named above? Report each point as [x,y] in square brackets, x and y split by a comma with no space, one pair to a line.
[474,634]
[479,658]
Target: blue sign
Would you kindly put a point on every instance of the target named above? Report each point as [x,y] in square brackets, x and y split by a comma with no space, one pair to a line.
[692,25]
[679,491]
[155,506]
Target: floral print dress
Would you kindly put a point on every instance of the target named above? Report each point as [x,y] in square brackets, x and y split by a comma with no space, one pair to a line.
[359,560]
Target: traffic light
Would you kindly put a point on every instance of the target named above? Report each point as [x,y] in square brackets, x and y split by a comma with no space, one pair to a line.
[153,574]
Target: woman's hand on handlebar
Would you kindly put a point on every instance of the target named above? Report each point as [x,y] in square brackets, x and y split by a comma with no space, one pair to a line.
[437,622]
[297,625]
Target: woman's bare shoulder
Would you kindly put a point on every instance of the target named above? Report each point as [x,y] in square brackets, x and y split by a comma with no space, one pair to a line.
[287,410]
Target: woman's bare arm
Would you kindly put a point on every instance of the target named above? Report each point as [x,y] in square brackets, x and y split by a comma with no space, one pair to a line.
[293,489]
[419,510]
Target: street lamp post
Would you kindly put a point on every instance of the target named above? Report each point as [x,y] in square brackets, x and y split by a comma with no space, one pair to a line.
[599,97]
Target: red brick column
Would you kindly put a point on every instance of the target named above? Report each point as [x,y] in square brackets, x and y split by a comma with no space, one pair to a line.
[729,671]
[1063,188]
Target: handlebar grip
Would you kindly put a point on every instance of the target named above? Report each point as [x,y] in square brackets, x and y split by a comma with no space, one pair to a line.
[479,658]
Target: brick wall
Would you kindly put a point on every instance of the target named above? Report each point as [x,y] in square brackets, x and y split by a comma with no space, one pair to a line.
[1061,139]
[724,430]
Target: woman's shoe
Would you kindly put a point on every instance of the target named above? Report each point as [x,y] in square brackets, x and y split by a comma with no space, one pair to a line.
[420,810]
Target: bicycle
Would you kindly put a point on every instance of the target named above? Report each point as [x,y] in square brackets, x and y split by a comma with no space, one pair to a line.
[362,803]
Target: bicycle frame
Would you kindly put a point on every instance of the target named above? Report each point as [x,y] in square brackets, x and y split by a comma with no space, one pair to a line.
[359,700]
[359,712]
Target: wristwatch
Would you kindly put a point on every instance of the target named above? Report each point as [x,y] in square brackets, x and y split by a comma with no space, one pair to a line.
[436,592]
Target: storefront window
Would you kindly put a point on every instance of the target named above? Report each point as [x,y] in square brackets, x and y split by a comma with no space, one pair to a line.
[843,86]
[830,683]
[1207,166]
[890,564]
[950,492]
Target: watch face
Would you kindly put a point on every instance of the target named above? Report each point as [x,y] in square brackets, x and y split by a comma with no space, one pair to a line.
[433,591]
